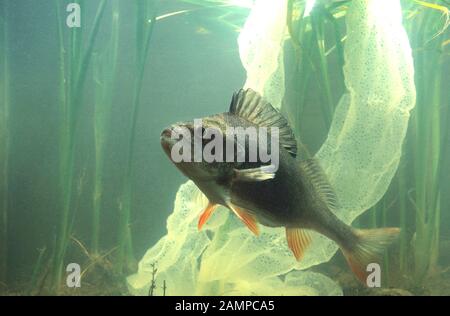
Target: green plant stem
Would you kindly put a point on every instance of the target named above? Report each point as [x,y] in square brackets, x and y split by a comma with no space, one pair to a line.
[419,177]
[317,24]
[305,74]
[384,217]
[4,143]
[373,217]
[36,271]
[143,36]
[74,71]
[104,100]
[428,155]
[402,194]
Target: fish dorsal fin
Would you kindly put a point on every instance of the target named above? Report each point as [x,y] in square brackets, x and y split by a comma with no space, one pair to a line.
[249,105]
[298,240]
[320,182]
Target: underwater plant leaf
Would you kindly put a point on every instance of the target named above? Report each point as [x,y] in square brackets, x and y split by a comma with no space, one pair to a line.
[168,15]
[223,15]
[433,6]
[445,13]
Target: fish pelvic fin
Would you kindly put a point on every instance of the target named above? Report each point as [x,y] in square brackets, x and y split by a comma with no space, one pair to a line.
[369,247]
[246,217]
[298,241]
[206,214]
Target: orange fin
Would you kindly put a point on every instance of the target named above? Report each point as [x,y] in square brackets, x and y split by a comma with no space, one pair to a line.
[248,219]
[206,214]
[298,240]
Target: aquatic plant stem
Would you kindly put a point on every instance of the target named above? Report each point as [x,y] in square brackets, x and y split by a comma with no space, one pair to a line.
[143,36]
[308,36]
[386,275]
[304,72]
[36,271]
[4,143]
[317,24]
[428,145]
[104,78]
[72,77]
[403,195]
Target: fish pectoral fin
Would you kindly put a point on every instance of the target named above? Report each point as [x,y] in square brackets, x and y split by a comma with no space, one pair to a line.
[248,219]
[206,214]
[298,240]
[255,174]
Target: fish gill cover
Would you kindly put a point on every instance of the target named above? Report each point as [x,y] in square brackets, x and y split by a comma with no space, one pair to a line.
[360,157]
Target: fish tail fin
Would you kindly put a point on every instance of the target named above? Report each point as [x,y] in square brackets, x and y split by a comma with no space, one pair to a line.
[368,247]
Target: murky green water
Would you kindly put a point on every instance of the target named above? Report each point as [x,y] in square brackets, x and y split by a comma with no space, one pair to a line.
[84,179]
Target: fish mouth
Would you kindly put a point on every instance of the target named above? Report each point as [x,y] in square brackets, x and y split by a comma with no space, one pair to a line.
[167,140]
[172,135]
[166,133]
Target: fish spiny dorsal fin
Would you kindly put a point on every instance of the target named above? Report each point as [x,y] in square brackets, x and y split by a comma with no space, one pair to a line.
[320,182]
[249,105]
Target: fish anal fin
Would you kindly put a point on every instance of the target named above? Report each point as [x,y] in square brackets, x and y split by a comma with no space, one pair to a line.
[206,214]
[298,240]
[247,218]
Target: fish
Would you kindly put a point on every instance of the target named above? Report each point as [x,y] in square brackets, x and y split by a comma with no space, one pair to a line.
[295,195]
